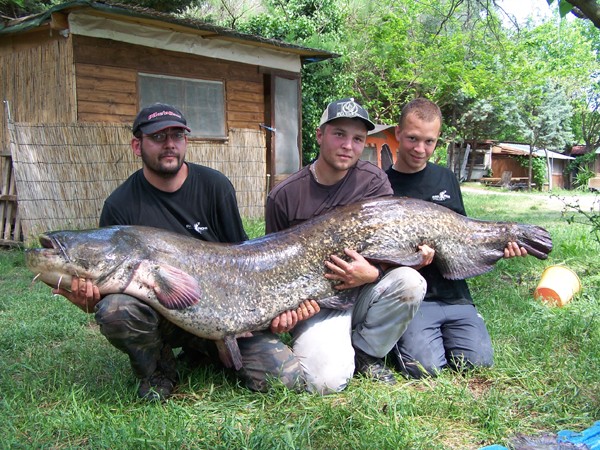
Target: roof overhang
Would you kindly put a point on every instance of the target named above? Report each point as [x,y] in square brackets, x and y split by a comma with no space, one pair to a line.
[523,150]
[160,30]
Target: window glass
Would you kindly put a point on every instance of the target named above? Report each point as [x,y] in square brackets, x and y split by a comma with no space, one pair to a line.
[201,101]
[287,154]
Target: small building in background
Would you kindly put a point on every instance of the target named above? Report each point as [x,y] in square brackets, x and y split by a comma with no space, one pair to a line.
[504,158]
[381,147]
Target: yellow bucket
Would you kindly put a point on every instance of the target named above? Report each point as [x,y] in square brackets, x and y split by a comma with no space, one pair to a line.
[558,285]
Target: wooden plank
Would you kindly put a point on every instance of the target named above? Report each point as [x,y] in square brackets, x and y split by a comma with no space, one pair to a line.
[10,243]
[59,21]
[105,72]
[6,174]
[256,107]
[246,125]
[235,116]
[100,84]
[239,85]
[105,52]
[594,183]
[245,96]
[85,107]
[96,117]
[8,198]
[107,96]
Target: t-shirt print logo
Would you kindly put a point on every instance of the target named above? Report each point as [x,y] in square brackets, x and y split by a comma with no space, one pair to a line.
[441,197]
[198,228]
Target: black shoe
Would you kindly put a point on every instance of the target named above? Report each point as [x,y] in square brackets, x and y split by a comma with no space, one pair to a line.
[194,357]
[157,387]
[373,368]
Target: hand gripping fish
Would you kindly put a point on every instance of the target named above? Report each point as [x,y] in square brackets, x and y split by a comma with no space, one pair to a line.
[223,291]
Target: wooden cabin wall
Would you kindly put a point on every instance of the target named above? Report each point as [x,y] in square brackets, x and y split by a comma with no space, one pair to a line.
[107,80]
[501,163]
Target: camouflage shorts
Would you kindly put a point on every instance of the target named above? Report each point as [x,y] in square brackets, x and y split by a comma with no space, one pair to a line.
[148,339]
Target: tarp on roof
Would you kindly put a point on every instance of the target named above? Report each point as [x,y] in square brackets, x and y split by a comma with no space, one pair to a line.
[23,24]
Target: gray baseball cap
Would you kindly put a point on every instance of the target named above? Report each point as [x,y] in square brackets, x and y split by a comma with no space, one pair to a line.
[348,108]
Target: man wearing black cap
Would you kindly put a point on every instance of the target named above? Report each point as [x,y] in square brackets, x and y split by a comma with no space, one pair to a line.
[190,199]
[331,345]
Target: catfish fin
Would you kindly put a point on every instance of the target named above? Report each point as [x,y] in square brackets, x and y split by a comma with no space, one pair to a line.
[229,352]
[342,301]
[174,288]
[467,267]
[396,259]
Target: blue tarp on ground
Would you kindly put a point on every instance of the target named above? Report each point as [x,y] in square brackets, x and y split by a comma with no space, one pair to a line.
[587,439]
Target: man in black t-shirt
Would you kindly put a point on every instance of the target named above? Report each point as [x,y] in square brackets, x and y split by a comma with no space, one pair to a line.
[447,330]
[190,199]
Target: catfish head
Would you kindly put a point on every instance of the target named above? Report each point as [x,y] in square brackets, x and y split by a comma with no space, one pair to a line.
[107,256]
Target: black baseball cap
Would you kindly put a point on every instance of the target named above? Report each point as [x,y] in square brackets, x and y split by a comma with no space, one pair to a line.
[157,117]
[348,108]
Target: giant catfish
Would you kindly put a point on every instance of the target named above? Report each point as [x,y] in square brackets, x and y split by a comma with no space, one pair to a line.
[220,291]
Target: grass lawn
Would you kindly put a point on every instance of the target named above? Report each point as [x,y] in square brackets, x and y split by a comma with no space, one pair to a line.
[63,386]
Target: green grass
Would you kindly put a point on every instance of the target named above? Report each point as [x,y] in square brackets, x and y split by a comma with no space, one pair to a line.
[63,386]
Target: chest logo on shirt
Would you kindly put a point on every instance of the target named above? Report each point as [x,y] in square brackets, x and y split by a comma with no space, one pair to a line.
[198,228]
[441,197]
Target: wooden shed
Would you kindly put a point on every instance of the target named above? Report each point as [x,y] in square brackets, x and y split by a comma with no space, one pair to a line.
[578,150]
[381,146]
[73,78]
[503,159]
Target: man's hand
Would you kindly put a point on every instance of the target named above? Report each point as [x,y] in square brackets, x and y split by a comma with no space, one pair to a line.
[512,249]
[82,294]
[427,254]
[287,320]
[351,274]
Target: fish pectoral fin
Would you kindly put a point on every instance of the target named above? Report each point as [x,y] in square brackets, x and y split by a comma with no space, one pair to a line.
[174,288]
[396,259]
[229,352]
[342,301]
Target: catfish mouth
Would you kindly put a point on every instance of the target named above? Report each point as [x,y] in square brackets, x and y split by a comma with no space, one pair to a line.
[51,243]
[47,242]
[40,261]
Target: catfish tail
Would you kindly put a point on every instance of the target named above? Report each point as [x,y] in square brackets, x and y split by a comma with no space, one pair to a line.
[536,240]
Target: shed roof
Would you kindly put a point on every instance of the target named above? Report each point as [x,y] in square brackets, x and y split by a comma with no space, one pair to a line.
[523,150]
[580,150]
[149,17]
[379,128]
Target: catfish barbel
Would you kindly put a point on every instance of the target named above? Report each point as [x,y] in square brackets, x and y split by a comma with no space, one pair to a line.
[220,291]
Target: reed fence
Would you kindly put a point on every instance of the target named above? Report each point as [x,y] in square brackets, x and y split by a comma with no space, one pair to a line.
[61,173]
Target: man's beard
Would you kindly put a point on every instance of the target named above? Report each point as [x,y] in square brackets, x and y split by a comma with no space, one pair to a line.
[160,169]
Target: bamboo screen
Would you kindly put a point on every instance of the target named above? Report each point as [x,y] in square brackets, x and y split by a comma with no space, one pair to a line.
[64,172]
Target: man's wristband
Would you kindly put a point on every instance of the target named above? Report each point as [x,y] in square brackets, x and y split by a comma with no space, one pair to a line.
[381,273]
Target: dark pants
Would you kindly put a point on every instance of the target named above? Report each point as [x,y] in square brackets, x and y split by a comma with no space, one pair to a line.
[148,339]
[441,335]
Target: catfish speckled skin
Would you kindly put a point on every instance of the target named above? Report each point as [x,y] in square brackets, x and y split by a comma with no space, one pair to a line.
[220,291]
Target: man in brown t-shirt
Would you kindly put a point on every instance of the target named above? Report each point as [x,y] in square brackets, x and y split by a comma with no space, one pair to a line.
[330,345]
